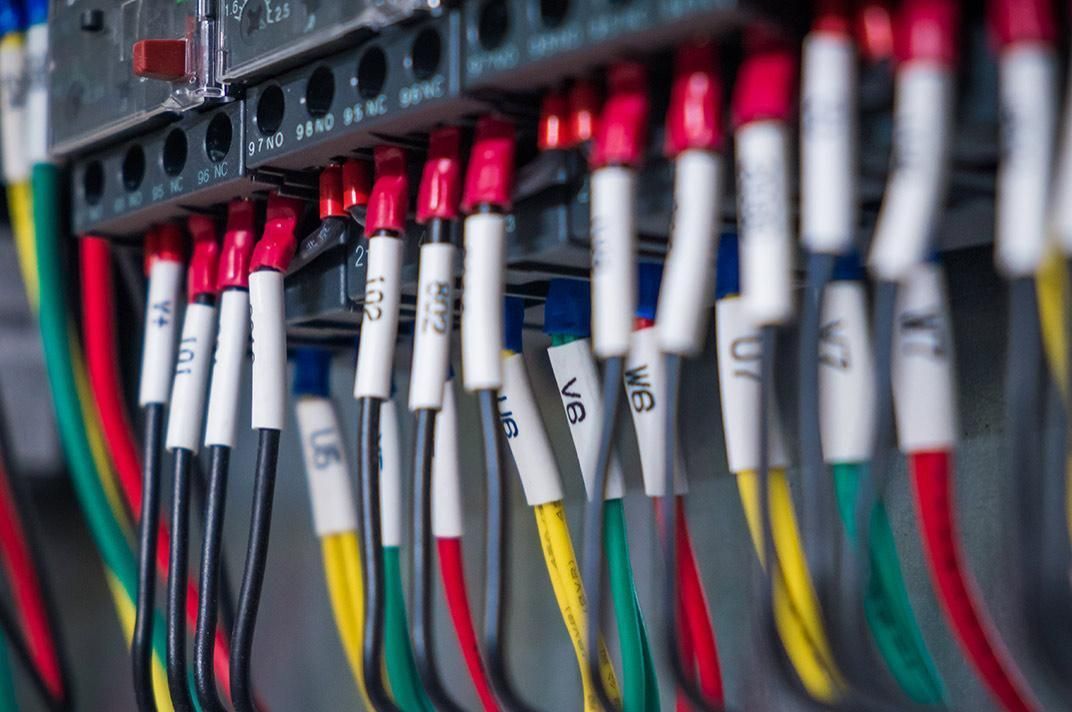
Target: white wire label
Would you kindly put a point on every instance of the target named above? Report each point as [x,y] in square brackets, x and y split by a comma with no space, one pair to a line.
[232,344]
[161,313]
[268,324]
[614,279]
[690,264]
[645,389]
[379,323]
[13,106]
[740,353]
[923,379]
[447,513]
[391,512]
[431,335]
[482,301]
[846,375]
[579,388]
[828,140]
[192,365]
[523,426]
[37,128]
[326,469]
[763,203]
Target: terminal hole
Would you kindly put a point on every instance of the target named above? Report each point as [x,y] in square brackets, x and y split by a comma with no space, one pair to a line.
[494,24]
[270,107]
[93,183]
[133,169]
[553,12]
[371,73]
[218,138]
[320,92]
[174,158]
[425,53]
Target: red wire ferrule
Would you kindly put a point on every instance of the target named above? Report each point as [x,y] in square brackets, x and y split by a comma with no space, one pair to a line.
[441,180]
[584,106]
[390,192]
[1014,21]
[927,30]
[693,119]
[554,131]
[168,245]
[152,244]
[356,184]
[277,245]
[874,30]
[833,17]
[205,258]
[766,79]
[331,192]
[622,134]
[237,245]
[489,179]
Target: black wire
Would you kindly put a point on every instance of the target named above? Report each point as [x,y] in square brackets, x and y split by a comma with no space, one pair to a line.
[226,603]
[368,475]
[423,607]
[205,634]
[249,596]
[497,553]
[16,642]
[176,582]
[142,644]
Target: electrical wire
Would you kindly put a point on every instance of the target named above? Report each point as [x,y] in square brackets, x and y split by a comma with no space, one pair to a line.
[142,642]
[176,582]
[14,640]
[347,599]
[205,653]
[8,702]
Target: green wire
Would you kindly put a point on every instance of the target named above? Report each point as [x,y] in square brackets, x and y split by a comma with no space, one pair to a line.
[889,611]
[401,668]
[8,701]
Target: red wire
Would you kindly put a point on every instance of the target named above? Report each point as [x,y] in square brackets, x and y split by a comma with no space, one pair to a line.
[27,592]
[452,570]
[697,616]
[102,362]
[931,475]
[688,653]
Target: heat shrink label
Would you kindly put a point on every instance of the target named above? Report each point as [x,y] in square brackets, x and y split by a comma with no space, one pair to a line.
[525,432]
[161,313]
[447,517]
[614,278]
[192,366]
[390,475]
[579,388]
[645,389]
[326,468]
[846,375]
[923,385]
[268,323]
[740,352]
[482,302]
[766,240]
[916,187]
[432,328]
[690,264]
[828,140]
[37,129]
[379,322]
[13,105]
[232,344]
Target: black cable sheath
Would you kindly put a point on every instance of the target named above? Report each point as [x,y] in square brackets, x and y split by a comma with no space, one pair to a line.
[176,581]
[423,605]
[497,555]
[141,646]
[209,586]
[249,596]
[226,602]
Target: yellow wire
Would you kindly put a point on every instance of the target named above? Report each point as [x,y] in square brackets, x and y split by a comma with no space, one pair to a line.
[566,581]
[20,206]
[796,606]
[125,609]
[342,572]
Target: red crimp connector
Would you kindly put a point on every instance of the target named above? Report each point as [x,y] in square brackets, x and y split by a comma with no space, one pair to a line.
[833,17]
[169,243]
[237,245]
[553,132]
[874,30]
[694,117]
[356,184]
[390,192]
[152,243]
[205,258]
[441,180]
[277,245]
[622,133]
[927,30]
[1023,21]
[766,79]
[331,192]
[584,111]
[489,179]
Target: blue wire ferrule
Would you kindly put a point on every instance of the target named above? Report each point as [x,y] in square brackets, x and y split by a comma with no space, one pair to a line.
[568,309]
[513,323]
[36,12]
[849,268]
[11,19]
[649,278]
[728,270]
[312,371]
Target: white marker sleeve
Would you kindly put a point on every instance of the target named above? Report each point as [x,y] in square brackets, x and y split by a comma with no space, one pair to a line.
[391,511]
[431,332]
[924,388]
[579,388]
[161,327]
[739,364]
[37,66]
[192,365]
[232,345]
[690,265]
[447,513]
[482,301]
[16,165]
[614,270]
[525,432]
[269,331]
[379,323]
[326,469]
[846,375]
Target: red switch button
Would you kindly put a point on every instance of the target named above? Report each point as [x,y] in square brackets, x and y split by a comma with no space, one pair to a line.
[160,59]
